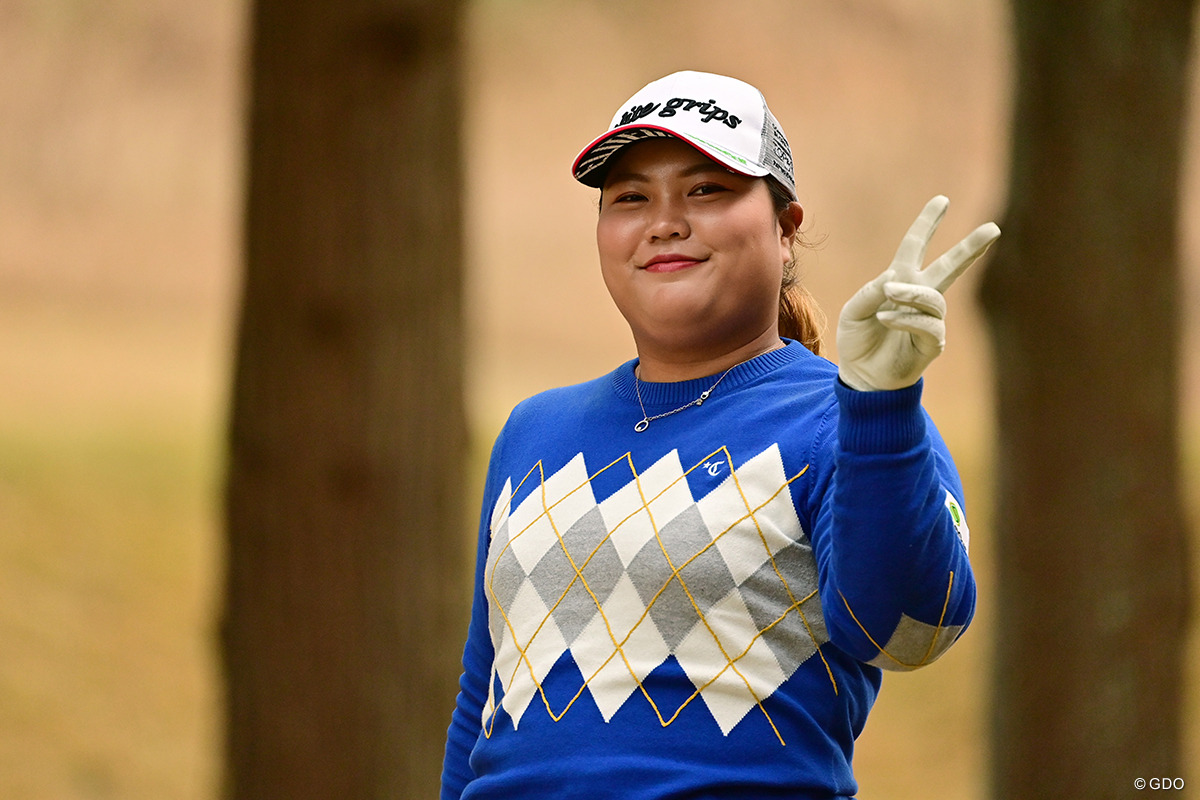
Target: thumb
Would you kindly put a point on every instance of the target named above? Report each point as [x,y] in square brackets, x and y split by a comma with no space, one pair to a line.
[867,300]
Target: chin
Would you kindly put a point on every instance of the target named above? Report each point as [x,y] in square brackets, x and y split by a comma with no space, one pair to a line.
[677,305]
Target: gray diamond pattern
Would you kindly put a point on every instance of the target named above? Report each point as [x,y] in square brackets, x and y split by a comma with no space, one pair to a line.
[683,574]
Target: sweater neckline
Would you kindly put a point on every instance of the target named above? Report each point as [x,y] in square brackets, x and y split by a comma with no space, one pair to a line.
[678,392]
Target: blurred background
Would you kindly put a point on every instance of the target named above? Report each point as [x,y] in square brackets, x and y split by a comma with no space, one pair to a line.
[120,204]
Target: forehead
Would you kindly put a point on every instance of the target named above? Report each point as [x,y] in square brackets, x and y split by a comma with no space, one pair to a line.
[661,157]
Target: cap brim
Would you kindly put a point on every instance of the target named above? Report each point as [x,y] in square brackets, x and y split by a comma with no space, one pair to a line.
[592,163]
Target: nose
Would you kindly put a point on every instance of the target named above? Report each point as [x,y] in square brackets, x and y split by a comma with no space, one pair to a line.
[668,220]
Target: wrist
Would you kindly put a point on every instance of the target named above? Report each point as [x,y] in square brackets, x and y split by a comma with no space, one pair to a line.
[880,421]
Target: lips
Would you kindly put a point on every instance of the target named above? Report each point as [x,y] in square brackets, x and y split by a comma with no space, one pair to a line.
[671,262]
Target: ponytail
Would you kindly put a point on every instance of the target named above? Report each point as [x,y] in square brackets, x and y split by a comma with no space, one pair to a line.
[800,317]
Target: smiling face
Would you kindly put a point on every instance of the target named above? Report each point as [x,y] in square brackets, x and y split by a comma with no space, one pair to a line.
[692,253]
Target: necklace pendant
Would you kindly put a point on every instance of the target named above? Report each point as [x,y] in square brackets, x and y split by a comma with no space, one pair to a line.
[641,426]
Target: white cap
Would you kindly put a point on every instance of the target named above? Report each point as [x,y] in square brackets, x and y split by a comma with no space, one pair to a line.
[724,118]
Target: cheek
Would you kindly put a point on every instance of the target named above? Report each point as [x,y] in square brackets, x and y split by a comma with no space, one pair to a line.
[612,238]
[761,253]
[760,275]
[614,255]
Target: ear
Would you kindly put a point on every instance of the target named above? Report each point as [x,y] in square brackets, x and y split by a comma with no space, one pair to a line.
[790,219]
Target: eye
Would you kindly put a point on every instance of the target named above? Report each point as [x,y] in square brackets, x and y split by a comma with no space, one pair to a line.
[709,188]
[628,197]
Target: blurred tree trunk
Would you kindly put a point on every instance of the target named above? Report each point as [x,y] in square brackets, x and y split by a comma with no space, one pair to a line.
[1083,300]
[340,636]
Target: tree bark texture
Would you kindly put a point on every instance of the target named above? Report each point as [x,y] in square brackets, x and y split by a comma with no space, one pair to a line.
[1083,302]
[342,627]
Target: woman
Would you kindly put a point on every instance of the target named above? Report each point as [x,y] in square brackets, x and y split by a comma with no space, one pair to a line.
[692,570]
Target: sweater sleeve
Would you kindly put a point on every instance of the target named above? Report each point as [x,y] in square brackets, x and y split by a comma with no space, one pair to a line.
[896,584]
[466,721]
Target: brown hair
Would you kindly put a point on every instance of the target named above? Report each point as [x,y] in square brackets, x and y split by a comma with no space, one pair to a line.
[800,317]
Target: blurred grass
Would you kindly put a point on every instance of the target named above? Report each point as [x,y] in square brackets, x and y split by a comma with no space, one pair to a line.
[107,563]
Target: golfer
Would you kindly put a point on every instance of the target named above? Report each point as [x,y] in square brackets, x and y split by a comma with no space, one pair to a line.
[692,570]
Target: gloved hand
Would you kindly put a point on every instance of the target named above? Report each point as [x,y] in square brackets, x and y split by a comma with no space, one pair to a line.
[893,327]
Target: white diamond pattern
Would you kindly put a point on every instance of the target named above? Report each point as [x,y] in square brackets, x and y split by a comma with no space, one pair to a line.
[726,584]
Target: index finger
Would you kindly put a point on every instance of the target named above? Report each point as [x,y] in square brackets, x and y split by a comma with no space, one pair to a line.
[910,255]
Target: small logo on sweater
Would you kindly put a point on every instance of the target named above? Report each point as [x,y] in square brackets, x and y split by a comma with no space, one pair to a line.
[713,467]
[960,521]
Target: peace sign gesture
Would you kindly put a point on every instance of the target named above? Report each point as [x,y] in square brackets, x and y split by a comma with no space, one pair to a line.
[892,328]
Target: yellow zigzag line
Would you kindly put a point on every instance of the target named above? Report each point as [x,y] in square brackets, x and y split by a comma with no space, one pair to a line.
[932,643]
[619,646]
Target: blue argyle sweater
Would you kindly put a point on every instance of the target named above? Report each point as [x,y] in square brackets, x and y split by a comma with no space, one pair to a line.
[702,609]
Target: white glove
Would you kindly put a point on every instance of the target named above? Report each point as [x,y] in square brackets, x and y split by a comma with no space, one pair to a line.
[893,327]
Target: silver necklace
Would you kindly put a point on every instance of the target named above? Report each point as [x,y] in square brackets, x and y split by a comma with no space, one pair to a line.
[646,419]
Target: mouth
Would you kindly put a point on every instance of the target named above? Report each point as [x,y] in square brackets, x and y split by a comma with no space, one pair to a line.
[671,262]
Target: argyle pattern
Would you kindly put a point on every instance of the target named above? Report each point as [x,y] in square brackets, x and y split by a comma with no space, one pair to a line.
[726,583]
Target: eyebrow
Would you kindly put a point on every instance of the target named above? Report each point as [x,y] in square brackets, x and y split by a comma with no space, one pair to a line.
[699,167]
